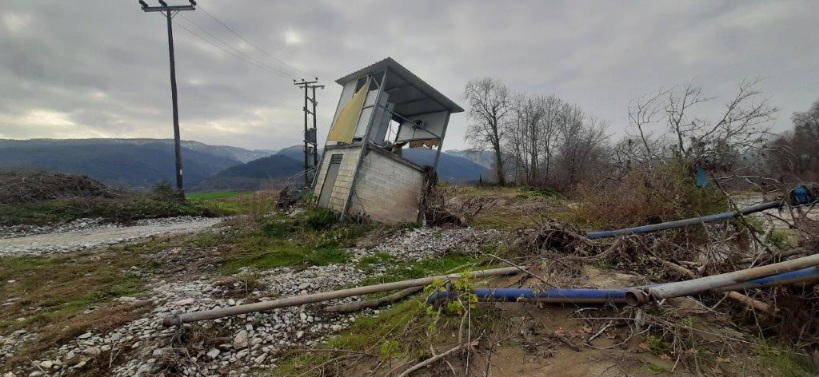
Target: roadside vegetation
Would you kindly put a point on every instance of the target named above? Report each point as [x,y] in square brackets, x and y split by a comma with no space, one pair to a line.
[40,198]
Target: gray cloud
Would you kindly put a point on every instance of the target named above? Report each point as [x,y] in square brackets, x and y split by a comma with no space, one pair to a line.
[99,69]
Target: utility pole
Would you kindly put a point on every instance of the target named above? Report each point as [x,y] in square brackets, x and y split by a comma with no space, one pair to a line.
[310,134]
[169,11]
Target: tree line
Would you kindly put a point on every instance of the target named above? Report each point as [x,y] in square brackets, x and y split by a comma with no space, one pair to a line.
[542,140]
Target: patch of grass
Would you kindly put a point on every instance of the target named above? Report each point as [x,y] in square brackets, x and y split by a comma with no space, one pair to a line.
[404,328]
[369,261]
[215,195]
[658,369]
[367,334]
[779,238]
[51,296]
[287,256]
[534,192]
[120,209]
[422,268]
[321,218]
[256,204]
[784,362]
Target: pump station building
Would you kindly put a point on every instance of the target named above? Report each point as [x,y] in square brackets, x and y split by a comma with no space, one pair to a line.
[383,108]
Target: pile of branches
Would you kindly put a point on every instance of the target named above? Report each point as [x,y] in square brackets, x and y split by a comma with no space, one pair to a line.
[439,210]
[35,186]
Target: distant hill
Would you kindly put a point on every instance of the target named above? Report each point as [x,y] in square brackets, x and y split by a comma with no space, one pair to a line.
[483,158]
[450,168]
[296,152]
[133,163]
[234,153]
[257,174]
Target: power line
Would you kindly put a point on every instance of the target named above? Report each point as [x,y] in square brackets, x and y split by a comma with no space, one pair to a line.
[257,61]
[254,45]
[262,67]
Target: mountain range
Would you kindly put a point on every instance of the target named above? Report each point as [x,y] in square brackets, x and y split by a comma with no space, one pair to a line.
[142,163]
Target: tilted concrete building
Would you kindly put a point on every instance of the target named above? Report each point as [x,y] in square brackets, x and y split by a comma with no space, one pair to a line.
[383,108]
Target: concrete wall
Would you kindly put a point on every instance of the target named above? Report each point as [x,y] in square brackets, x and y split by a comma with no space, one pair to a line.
[345,175]
[388,190]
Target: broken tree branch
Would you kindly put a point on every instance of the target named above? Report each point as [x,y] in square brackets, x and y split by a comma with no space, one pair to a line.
[437,357]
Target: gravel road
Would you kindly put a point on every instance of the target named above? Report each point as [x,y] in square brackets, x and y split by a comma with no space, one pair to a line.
[89,233]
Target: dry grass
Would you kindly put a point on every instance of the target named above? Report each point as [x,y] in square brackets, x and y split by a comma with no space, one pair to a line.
[59,298]
[646,196]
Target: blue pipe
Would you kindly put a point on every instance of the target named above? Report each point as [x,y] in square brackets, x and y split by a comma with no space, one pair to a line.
[798,276]
[612,295]
[556,295]
[685,222]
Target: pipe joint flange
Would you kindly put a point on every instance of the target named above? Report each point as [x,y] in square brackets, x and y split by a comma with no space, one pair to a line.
[637,297]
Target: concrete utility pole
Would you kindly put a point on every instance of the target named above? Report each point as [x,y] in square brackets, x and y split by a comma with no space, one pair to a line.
[311,134]
[169,11]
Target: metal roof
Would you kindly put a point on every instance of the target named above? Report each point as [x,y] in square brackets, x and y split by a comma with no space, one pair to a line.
[410,94]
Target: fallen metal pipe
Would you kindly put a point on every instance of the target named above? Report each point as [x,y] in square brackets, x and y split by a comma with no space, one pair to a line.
[715,282]
[685,222]
[175,319]
[636,296]
[804,275]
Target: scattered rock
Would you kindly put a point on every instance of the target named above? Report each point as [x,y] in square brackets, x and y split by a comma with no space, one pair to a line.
[240,341]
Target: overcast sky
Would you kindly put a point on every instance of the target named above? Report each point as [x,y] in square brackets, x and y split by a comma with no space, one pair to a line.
[77,69]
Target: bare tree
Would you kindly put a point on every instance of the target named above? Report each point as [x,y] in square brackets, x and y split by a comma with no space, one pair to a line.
[526,131]
[690,139]
[550,127]
[794,156]
[489,107]
[582,147]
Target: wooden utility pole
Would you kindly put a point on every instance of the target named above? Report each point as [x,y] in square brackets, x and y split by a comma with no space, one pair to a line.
[310,134]
[169,11]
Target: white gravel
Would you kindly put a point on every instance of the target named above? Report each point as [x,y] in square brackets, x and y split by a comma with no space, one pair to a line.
[248,341]
[89,233]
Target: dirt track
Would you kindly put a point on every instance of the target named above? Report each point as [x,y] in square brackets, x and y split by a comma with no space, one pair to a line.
[109,234]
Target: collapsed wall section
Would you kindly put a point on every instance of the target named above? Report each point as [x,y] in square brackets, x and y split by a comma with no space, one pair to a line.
[388,189]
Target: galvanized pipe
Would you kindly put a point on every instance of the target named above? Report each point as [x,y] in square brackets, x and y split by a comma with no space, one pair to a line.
[683,223]
[804,275]
[638,295]
[175,319]
[715,282]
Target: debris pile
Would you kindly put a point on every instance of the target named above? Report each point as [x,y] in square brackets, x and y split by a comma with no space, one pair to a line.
[34,186]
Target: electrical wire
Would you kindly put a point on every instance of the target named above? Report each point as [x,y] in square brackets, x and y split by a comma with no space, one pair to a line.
[251,43]
[227,45]
[262,67]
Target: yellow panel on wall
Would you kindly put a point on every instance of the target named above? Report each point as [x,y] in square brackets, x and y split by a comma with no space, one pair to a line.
[344,126]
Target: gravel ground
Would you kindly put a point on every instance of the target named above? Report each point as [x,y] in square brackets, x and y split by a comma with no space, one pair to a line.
[89,233]
[247,341]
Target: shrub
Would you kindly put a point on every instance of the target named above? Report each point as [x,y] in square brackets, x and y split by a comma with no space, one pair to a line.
[647,196]
[321,218]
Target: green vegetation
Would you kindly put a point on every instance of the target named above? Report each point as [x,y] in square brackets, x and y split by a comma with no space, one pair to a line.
[216,195]
[422,268]
[125,208]
[54,296]
[289,256]
[783,361]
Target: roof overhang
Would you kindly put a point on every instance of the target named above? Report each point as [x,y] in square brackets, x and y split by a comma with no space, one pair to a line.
[408,92]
